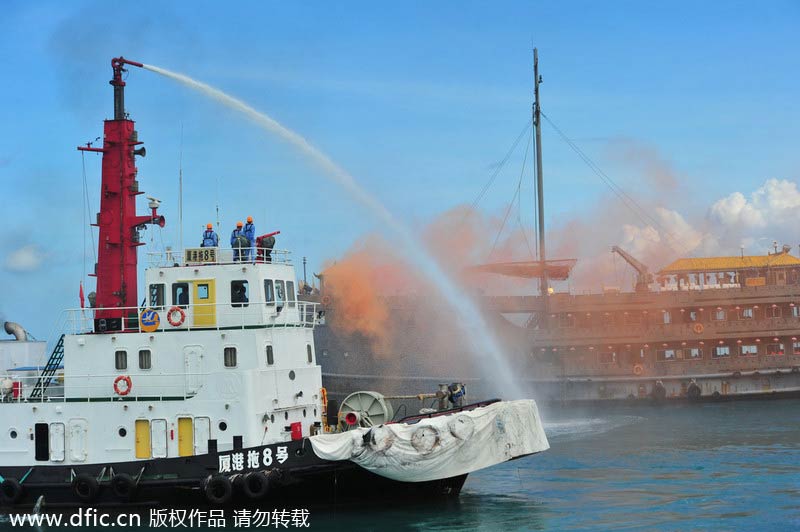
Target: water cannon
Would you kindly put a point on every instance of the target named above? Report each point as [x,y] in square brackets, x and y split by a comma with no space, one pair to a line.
[118,66]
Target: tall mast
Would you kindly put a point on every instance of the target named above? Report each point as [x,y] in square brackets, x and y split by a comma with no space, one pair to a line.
[119,225]
[537,80]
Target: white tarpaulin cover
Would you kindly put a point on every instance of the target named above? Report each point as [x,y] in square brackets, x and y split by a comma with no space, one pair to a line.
[443,446]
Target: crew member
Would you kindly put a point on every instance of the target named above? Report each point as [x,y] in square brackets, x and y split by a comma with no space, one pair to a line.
[210,238]
[238,242]
[250,232]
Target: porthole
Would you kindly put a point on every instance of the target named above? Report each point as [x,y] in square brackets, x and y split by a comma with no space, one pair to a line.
[291,375]
[13,434]
[122,432]
[223,426]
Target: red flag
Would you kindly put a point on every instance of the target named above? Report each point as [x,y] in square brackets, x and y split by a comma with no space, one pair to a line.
[80,295]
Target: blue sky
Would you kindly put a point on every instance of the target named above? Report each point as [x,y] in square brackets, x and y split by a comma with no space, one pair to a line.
[418,101]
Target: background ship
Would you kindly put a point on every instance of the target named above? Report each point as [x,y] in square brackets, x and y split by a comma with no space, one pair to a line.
[709,328]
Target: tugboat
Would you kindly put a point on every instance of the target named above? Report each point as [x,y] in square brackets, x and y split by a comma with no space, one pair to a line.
[208,392]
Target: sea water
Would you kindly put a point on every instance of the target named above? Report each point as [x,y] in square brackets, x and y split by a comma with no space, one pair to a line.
[486,350]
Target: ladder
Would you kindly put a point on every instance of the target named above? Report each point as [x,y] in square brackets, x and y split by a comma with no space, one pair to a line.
[49,370]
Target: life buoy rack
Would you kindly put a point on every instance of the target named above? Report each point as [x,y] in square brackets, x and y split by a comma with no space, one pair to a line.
[176,322]
[128,385]
[698,328]
[638,369]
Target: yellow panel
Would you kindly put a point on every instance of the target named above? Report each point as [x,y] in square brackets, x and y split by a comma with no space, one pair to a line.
[142,438]
[205,299]
[755,281]
[185,436]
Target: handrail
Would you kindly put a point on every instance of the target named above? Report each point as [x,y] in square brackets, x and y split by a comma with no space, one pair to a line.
[217,255]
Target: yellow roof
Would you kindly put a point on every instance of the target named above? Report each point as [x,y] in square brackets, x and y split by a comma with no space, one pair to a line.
[716,264]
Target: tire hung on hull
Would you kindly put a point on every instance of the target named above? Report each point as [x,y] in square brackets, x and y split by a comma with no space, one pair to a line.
[218,489]
[255,485]
[123,486]
[11,491]
[85,487]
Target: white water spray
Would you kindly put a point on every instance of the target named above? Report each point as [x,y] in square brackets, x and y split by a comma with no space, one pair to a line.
[486,349]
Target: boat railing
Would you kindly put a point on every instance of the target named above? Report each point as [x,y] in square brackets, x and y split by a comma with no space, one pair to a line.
[196,316]
[201,256]
[16,387]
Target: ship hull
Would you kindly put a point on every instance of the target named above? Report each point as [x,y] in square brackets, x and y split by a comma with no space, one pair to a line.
[183,482]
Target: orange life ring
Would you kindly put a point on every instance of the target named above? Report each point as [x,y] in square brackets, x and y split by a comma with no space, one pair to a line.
[128,385]
[326,300]
[181,316]
[638,369]
[698,328]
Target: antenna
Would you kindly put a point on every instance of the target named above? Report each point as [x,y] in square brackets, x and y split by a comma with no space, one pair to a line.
[180,192]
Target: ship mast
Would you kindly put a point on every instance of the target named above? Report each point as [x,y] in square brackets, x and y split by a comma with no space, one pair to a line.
[537,123]
[116,268]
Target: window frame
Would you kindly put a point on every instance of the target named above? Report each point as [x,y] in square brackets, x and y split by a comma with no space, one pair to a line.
[175,301]
[246,301]
[269,292]
[748,348]
[715,351]
[149,358]
[225,352]
[124,355]
[160,290]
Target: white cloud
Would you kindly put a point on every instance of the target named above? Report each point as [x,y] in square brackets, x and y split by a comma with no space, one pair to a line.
[776,202]
[25,259]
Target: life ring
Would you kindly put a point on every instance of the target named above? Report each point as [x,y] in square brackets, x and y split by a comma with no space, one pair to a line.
[128,385]
[255,485]
[638,369]
[171,316]
[698,328]
[11,491]
[218,489]
[85,487]
[326,300]
[123,486]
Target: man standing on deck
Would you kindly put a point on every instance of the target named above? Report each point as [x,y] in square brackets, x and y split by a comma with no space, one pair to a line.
[210,238]
[250,232]
[236,242]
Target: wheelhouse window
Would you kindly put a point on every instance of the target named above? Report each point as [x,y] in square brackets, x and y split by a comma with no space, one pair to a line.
[775,349]
[229,356]
[748,350]
[145,359]
[721,351]
[269,292]
[270,356]
[180,294]
[240,293]
[663,355]
[121,359]
[157,296]
[291,297]
[693,353]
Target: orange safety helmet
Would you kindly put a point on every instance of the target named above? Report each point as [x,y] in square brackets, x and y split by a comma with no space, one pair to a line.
[249,219]
[239,224]
[209,226]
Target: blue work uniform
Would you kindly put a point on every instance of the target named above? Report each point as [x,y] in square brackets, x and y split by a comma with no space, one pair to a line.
[250,232]
[234,236]
[210,239]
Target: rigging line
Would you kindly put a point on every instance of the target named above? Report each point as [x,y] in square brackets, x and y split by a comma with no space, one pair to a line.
[629,202]
[88,208]
[519,207]
[513,200]
[494,175]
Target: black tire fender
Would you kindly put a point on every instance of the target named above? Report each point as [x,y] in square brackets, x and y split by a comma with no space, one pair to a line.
[218,489]
[255,485]
[11,491]
[123,486]
[85,487]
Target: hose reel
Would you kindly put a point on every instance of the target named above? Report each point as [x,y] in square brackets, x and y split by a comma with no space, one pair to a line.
[364,409]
